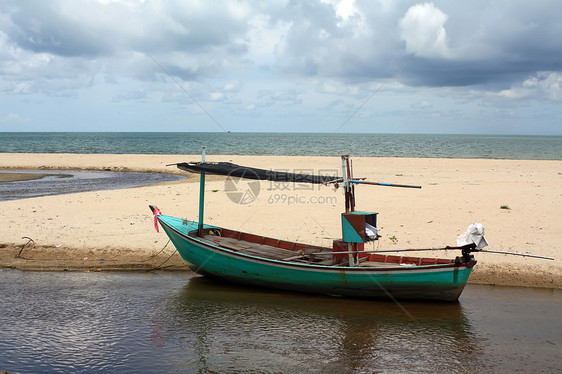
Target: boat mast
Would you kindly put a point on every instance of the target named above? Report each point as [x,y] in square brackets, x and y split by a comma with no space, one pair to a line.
[201,196]
[352,248]
[349,190]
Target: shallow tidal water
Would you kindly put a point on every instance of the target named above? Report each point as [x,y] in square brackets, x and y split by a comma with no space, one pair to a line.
[56,182]
[178,322]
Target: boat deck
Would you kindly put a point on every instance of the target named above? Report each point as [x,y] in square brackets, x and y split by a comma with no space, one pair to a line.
[275,253]
[270,252]
[282,250]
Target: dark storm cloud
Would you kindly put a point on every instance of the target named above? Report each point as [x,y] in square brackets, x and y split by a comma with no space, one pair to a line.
[190,29]
[483,42]
[190,40]
[439,73]
[321,43]
[40,27]
[90,29]
[498,45]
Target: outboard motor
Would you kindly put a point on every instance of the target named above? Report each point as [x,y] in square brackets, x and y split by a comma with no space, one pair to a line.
[473,234]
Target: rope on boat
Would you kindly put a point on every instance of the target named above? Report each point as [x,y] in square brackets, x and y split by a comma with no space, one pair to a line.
[517,254]
[390,250]
[438,249]
[162,250]
[162,264]
[186,91]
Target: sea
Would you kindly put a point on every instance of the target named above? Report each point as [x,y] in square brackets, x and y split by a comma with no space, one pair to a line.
[288,144]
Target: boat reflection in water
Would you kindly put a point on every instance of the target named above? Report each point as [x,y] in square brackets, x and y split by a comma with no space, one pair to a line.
[228,328]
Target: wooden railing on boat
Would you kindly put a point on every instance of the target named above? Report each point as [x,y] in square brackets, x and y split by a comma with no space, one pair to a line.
[264,240]
[284,250]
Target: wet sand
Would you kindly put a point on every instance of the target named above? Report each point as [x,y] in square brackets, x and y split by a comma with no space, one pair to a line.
[519,202]
[19,177]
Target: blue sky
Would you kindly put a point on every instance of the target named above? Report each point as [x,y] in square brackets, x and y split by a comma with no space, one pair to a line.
[382,66]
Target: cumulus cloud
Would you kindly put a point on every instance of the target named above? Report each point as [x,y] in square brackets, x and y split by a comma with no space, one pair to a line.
[454,45]
[423,30]
[544,84]
[288,97]
[422,104]
[256,54]
[12,117]
[132,95]
[189,38]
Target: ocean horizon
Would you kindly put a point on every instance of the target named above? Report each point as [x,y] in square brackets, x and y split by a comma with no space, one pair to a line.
[519,147]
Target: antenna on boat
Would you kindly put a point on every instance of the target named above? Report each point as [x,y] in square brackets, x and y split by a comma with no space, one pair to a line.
[384,82]
[187,92]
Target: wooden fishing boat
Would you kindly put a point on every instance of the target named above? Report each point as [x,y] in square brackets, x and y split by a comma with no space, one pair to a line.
[345,269]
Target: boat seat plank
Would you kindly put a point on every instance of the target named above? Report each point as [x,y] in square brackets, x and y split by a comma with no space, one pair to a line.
[229,243]
[327,262]
[292,258]
[232,246]
[259,253]
[268,251]
[255,249]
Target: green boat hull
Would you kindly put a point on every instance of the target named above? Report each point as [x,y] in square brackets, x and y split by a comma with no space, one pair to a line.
[443,282]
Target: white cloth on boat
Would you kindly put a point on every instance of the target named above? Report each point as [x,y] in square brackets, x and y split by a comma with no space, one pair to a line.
[371,231]
[473,234]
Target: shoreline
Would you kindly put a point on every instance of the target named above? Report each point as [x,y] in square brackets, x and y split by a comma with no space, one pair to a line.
[75,231]
[49,259]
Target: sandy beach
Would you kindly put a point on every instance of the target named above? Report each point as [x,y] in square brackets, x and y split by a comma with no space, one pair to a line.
[519,202]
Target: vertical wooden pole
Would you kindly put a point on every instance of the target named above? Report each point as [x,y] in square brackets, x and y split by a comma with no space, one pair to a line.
[349,203]
[351,186]
[201,197]
[345,182]
[350,254]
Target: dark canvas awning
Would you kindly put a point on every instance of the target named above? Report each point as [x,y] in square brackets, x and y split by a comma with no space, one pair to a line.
[233,170]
